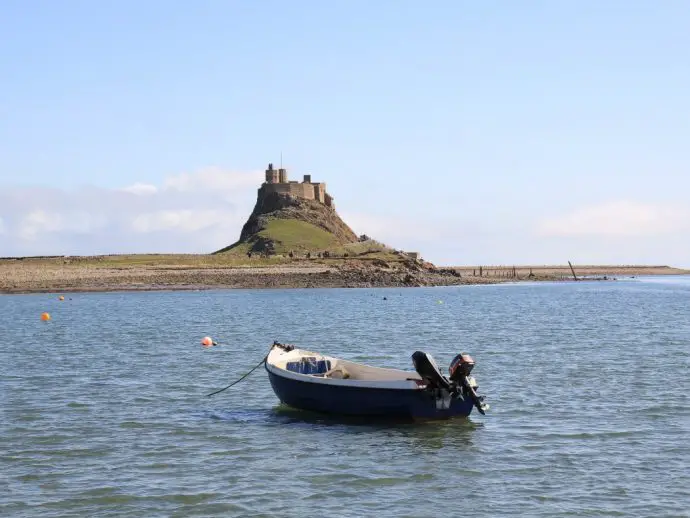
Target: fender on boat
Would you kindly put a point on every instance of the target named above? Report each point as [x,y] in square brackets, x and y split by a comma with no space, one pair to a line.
[426,367]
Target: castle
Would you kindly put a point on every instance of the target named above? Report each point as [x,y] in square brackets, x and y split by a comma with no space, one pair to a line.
[277,181]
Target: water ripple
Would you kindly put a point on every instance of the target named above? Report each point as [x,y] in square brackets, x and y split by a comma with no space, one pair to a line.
[105,410]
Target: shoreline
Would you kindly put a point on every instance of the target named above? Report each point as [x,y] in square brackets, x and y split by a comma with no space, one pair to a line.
[195,273]
[143,279]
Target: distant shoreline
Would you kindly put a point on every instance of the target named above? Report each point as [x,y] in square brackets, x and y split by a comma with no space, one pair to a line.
[201,272]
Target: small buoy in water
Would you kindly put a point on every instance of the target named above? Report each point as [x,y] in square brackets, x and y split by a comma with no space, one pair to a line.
[45,316]
[61,297]
[440,302]
[207,341]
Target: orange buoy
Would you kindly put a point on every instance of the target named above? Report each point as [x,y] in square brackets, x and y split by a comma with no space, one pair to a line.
[61,297]
[45,316]
[207,341]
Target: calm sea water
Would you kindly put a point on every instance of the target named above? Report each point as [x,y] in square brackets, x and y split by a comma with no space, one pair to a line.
[104,410]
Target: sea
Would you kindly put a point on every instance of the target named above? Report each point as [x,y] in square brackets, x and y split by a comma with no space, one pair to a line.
[105,412]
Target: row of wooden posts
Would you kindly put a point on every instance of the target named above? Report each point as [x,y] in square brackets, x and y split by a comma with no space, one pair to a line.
[510,273]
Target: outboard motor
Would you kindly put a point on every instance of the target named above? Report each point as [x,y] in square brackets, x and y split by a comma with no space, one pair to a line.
[426,367]
[459,382]
[460,367]
[459,371]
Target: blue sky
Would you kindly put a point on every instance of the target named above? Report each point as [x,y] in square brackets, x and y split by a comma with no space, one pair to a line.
[475,132]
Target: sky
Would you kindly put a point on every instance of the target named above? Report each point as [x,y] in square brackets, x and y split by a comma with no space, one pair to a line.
[495,133]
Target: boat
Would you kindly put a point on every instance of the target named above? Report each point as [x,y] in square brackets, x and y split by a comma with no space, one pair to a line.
[316,382]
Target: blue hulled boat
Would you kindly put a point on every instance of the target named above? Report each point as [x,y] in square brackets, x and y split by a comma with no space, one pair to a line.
[312,381]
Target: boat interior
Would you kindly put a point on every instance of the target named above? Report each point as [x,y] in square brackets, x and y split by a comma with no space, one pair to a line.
[314,364]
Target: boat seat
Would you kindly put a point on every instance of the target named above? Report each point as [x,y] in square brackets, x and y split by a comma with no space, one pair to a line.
[309,365]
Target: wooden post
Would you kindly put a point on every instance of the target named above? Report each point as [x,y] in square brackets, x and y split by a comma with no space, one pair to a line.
[480,271]
[572,270]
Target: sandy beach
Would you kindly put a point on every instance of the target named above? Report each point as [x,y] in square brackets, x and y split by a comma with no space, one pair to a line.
[173,272]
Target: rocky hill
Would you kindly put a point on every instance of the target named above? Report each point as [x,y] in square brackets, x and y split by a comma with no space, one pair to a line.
[281,223]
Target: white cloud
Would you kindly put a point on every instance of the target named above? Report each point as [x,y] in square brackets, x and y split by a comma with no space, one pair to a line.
[382,228]
[193,212]
[616,233]
[214,179]
[405,230]
[141,189]
[37,222]
[186,220]
[619,219]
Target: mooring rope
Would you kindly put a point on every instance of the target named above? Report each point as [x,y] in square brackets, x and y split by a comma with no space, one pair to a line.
[244,376]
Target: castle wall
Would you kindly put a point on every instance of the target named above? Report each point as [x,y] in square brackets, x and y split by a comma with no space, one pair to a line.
[299,190]
[319,191]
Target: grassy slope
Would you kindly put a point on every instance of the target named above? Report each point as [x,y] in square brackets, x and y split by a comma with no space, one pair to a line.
[300,236]
[288,234]
[292,234]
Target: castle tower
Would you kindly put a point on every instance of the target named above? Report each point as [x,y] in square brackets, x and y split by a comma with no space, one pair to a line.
[282,175]
[320,191]
[272,175]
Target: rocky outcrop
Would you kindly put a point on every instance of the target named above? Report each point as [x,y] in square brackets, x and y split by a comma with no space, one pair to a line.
[274,205]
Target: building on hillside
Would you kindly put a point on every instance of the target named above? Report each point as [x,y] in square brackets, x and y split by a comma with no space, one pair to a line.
[277,181]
